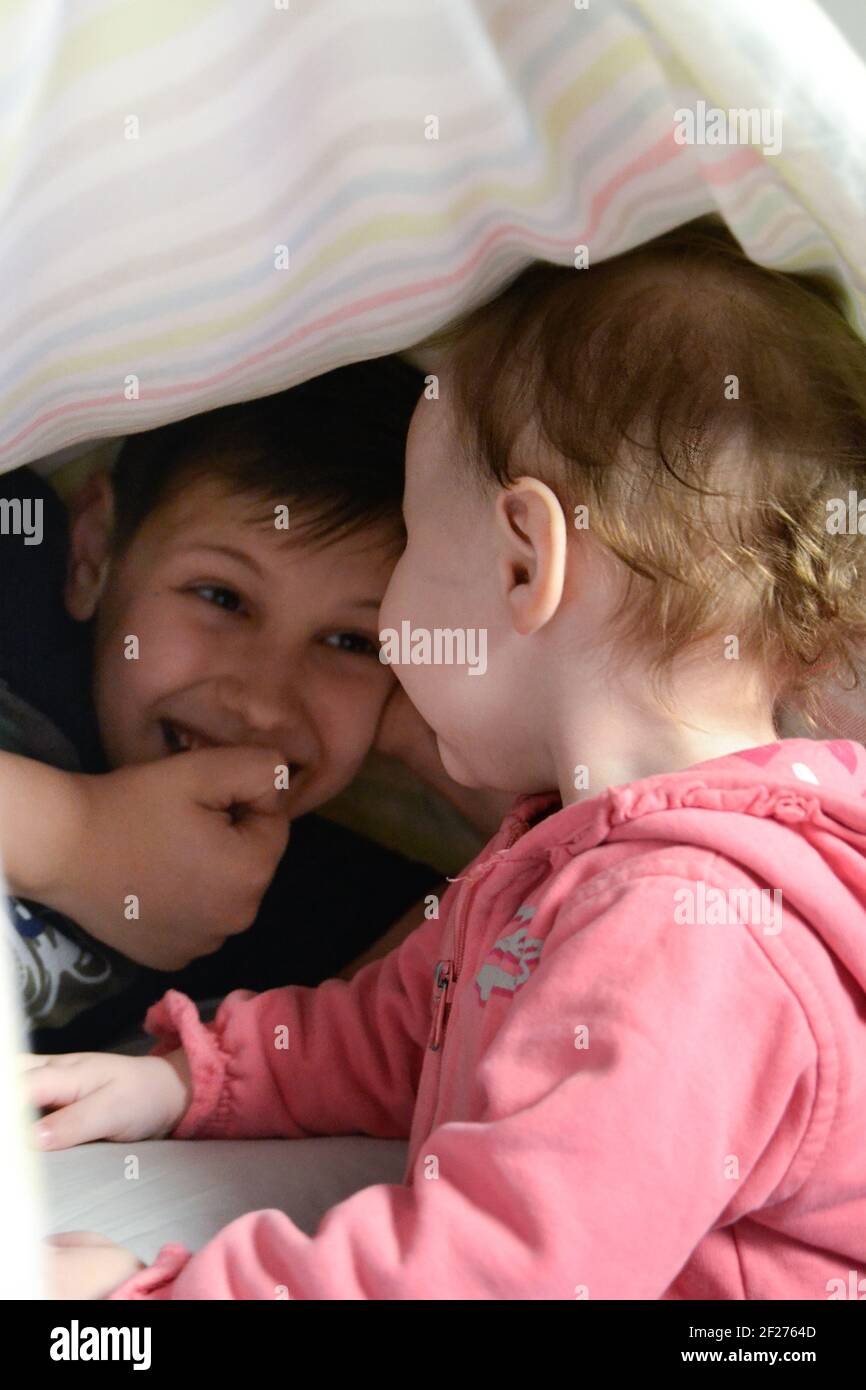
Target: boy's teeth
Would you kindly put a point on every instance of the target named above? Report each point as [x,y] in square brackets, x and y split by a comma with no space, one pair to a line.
[188,740]
[180,740]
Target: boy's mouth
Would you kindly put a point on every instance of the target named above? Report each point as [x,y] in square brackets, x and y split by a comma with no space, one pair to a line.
[180,739]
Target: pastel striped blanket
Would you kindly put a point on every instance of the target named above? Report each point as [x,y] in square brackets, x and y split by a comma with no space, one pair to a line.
[208,200]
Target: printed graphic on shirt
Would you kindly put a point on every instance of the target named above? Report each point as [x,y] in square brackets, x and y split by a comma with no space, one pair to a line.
[508,964]
[58,973]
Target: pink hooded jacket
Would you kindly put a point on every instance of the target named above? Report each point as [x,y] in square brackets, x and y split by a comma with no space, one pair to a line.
[640,1072]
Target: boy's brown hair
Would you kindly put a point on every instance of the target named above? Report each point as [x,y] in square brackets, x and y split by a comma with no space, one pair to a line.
[334,445]
[705,409]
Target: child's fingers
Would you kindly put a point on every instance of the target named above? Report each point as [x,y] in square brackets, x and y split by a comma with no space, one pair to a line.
[28,1060]
[79,1122]
[245,776]
[264,828]
[58,1080]
[76,1238]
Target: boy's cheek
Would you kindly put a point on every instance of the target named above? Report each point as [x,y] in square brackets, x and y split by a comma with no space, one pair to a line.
[134,675]
[347,730]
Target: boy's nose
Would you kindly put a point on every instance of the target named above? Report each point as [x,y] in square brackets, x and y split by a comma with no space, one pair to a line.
[264,701]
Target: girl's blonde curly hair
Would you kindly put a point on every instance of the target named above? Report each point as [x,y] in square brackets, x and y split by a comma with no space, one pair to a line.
[710,413]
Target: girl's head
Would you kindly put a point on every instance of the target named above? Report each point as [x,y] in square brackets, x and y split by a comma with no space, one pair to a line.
[628,480]
[214,621]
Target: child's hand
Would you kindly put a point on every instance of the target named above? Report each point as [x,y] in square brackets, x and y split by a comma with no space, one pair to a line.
[104,1095]
[167,859]
[81,1264]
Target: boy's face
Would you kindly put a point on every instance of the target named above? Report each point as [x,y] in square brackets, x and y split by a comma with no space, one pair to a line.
[245,634]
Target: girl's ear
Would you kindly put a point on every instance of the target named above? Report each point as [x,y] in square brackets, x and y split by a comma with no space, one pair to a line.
[532,550]
[91,520]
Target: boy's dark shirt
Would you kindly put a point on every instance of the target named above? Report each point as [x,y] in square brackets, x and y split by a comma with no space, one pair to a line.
[311,922]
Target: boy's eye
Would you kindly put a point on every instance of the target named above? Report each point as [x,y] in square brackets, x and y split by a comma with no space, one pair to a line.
[353,642]
[219,597]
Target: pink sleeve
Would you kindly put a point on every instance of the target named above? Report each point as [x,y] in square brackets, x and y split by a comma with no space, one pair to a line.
[648,1082]
[343,1058]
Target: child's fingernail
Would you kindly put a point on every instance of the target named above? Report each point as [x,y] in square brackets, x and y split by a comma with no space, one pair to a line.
[43,1136]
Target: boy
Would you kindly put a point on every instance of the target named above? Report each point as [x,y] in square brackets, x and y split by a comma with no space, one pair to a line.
[220,596]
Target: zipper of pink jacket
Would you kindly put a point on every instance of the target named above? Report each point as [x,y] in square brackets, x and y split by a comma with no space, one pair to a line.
[448,971]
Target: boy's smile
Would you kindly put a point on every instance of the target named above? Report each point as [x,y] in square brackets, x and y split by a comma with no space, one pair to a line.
[214,627]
